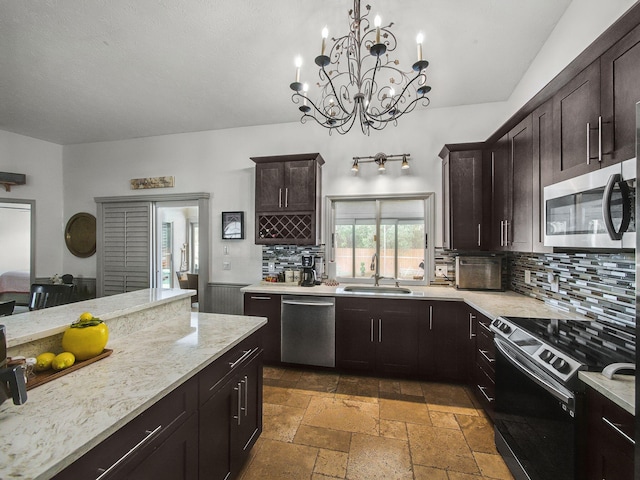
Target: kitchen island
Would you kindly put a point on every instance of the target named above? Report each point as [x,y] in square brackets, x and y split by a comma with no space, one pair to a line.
[158,345]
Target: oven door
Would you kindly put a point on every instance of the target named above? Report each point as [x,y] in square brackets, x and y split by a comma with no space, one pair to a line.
[593,210]
[535,422]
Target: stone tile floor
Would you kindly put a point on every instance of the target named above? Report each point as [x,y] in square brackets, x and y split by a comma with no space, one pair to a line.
[323,425]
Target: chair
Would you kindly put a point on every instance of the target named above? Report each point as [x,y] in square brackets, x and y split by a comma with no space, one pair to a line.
[67,278]
[182,280]
[45,295]
[192,284]
[6,308]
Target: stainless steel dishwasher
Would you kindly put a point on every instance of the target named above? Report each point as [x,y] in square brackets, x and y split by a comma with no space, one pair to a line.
[308,331]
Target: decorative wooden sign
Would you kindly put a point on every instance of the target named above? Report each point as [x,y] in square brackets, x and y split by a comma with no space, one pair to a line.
[152,182]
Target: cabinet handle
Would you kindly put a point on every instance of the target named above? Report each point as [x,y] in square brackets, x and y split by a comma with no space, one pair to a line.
[150,434]
[246,395]
[482,390]
[260,298]
[616,428]
[506,233]
[430,317]
[379,330]
[239,390]
[588,144]
[372,330]
[479,236]
[487,357]
[600,139]
[502,233]
[279,198]
[483,325]
[471,319]
[245,353]
[286,197]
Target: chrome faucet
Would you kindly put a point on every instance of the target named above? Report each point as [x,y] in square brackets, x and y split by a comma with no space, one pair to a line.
[377,278]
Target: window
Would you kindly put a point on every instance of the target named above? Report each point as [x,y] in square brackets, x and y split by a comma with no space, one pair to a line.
[384,235]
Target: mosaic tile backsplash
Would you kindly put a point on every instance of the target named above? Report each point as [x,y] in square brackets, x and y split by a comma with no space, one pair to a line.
[285,257]
[599,285]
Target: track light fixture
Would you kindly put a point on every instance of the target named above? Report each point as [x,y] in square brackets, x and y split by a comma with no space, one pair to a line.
[381,159]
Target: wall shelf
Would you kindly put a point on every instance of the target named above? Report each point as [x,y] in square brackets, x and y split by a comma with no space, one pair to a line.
[10,179]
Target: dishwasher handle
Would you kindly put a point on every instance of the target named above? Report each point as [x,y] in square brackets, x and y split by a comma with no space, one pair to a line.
[310,304]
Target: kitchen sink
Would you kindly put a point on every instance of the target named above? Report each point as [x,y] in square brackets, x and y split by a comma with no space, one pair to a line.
[379,290]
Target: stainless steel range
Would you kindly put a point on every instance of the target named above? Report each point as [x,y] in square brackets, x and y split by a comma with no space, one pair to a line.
[539,399]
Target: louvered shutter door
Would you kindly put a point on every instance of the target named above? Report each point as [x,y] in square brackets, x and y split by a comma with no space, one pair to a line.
[126,247]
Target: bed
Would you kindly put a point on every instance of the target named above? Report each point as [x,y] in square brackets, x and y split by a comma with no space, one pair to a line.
[15,285]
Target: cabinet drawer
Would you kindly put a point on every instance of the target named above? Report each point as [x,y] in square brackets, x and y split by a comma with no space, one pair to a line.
[609,419]
[485,388]
[151,427]
[485,340]
[213,376]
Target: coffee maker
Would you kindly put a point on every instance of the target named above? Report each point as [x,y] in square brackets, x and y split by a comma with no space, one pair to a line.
[308,271]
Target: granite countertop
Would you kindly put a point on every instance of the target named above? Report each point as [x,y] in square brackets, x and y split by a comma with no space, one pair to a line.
[621,389]
[490,303]
[52,429]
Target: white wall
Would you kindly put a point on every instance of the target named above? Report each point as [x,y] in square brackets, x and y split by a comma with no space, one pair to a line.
[42,163]
[219,162]
[581,24]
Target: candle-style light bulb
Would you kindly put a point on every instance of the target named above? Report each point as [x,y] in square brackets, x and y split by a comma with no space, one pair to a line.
[419,40]
[377,22]
[305,89]
[325,34]
[298,65]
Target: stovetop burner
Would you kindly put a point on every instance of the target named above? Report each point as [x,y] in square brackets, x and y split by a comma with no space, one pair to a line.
[594,344]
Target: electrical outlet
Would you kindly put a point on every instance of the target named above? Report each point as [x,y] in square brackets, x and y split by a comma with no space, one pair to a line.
[272,267]
[441,271]
[226,265]
[527,277]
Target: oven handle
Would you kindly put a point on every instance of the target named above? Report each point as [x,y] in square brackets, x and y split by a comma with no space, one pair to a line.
[565,396]
[606,206]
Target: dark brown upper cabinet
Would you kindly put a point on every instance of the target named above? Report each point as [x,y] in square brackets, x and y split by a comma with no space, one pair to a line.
[288,195]
[462,197]
[542,143]
[512,189]
[620,91]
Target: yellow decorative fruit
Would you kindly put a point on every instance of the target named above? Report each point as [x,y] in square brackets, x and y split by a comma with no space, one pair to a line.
[85,316]
[63,360]
[86,339]
[43,361]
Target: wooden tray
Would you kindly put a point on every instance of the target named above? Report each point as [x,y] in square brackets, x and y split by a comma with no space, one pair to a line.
[48,375]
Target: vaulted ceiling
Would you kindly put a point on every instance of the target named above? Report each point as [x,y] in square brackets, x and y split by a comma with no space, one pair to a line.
[75,71]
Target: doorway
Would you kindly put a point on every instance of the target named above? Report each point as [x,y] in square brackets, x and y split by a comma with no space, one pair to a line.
[176,242]
[17,241]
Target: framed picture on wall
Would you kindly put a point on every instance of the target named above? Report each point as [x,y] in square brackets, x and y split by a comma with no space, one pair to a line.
[232,225]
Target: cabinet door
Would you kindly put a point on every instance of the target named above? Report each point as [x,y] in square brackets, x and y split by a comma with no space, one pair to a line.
[542,132]
[500,192]
[263,305]
[269,186]
[300,185]
[249,425]
[396,333]
[463,200]
[216,423]
[576,109]
[445,342]
[175,459]
[620,92]
[355,347]
[519,228]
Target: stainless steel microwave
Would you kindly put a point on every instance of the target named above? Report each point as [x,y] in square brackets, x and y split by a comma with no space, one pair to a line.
[594,210]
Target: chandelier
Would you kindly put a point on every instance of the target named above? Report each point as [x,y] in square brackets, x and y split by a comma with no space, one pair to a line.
[351,79]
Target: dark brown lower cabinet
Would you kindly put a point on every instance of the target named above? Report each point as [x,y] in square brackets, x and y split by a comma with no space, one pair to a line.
[483,365]
[377,335]
[231,420]
[610,433]
[445,341]
[266,305]
[203,429]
